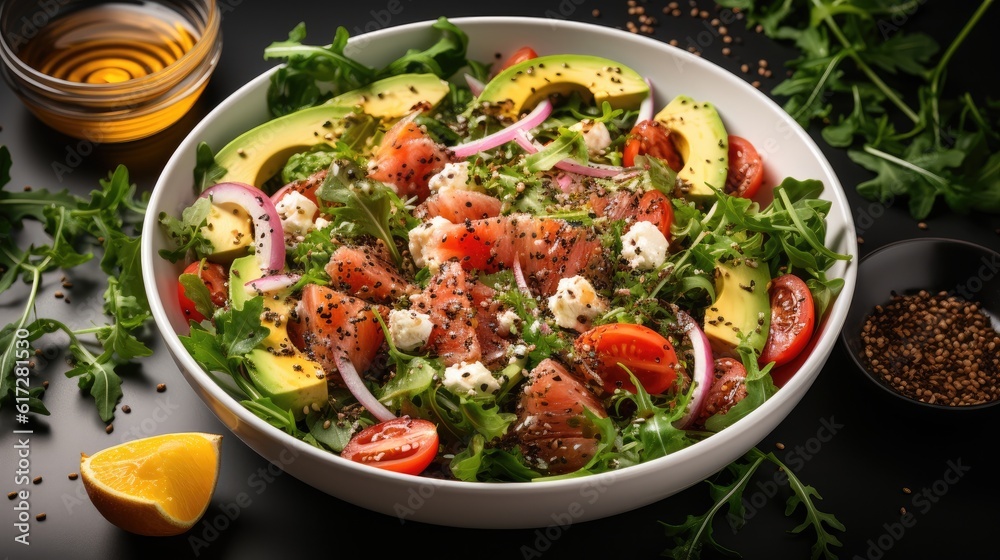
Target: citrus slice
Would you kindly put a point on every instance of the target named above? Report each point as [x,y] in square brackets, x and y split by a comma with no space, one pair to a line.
[155,486]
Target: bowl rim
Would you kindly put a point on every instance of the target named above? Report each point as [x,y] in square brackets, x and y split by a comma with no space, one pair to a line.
[725,439]
[847,336]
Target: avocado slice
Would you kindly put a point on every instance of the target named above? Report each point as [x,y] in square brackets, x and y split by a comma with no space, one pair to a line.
[230,231]
[396,96]
[742,307]
[260,153]
[697,130]
[522,86]
[276,367]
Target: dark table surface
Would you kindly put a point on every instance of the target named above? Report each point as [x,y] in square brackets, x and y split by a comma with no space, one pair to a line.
[857,447]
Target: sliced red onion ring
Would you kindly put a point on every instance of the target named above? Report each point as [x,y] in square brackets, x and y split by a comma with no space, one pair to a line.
[519,279]
[536,117]
[646,107]
[269,237]
[271,284]
[527,142]
[475,86]
[357,388]
[704,368]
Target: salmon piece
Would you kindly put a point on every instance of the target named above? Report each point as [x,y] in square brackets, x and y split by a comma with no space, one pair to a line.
[552,429]
[449,302]
[492,342]
[365,273]
[547,249]
[327,322]
[407,158]
[457,206]
[651,206]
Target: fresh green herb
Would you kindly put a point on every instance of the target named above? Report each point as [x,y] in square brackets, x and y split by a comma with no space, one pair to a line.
[695,533]
[365,207]
[947,148]
[110,221]
[186,233]
[312,74]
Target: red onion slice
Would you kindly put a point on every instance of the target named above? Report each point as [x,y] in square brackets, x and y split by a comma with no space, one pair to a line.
[704,368]
[527,142]
[536,117]
[357,388]
[646,107]
[271,284]
[269,237]
[475,86]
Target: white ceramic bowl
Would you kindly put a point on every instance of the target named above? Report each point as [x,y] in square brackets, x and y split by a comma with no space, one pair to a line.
[787,150]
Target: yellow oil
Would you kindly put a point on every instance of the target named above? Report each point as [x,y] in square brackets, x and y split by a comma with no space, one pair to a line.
[110,43]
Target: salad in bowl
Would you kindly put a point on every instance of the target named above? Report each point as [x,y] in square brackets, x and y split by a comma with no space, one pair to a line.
[535,268]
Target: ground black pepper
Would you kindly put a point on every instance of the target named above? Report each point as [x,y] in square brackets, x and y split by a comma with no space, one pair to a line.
[934,348]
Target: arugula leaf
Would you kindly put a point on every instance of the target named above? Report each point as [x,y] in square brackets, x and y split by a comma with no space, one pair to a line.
[312,74]
[185,233]
[695,533]
[207,171]
[847,49]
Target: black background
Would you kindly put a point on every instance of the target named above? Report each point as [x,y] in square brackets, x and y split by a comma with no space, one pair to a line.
[856,446]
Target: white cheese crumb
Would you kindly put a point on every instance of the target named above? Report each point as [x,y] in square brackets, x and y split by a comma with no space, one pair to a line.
[575,303]
[507,321]
[595,135]
[409,329]
[423,238]
[297,213]
[644,246]
[453,176]
[470,379]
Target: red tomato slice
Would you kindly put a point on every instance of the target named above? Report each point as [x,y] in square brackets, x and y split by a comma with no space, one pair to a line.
[645,352]
[405,445]
[651,138]
[215,278]
[746,170]
[518,56]
[793,317]
[728,388]
[306,187]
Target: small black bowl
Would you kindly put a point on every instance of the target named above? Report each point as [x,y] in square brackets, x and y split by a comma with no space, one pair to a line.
[960,268]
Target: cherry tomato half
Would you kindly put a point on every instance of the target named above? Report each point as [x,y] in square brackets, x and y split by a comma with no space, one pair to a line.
[405,445]
[746,169]
[728,388]
[645,352]
[793,317]
[518,56]
[215,278]
[651,138]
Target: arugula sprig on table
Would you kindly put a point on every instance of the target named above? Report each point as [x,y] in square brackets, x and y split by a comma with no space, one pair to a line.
[929,147]
[696,532]
[108,220]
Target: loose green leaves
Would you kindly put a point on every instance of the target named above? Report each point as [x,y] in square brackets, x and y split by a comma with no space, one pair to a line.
[691,537]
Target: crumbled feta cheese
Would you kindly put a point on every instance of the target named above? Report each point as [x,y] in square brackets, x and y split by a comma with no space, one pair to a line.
[470,379]
[423,238]
[575,302]
[322,222]
[595,135]
[409,329]
[453,176]
[516,353]
[506,321]
[296,213]
[644,246]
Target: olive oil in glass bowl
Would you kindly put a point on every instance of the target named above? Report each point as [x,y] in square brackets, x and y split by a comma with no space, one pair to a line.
[109,71]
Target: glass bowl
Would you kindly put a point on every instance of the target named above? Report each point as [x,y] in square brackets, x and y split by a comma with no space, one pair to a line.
[109,72]
[957,268]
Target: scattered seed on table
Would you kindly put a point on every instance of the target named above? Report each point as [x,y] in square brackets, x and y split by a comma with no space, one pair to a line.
[161,387]
[73,476]
[37,480]
[40,517]
[109,428]
[779,445]
[11,495]
[126,408]
[906,490]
